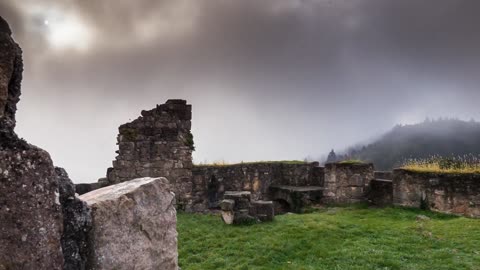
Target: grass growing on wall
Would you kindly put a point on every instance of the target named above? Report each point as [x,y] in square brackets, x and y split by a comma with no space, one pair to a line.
[452,165]
[333,238]
[352,161]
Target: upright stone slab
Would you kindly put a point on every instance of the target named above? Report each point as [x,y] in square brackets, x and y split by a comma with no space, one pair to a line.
[158,144]
[134,226]
[30,212]
[347,182]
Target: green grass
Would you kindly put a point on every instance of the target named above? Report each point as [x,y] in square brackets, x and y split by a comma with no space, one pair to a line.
[333,238]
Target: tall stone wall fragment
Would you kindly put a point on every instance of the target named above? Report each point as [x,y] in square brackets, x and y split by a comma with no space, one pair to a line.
[157,144]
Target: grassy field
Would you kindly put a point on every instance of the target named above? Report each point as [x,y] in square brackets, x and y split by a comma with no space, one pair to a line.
[354,237]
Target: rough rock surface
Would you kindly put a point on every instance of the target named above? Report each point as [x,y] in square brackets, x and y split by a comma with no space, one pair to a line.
[30,212]
[76,222]
[11,68]
[134,226]
[31,221]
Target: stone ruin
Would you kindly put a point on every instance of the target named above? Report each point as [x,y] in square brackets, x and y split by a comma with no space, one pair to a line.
[157,144]
[160,143]
[45,225]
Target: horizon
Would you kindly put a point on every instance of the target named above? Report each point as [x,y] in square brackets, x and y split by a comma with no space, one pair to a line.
[272,80]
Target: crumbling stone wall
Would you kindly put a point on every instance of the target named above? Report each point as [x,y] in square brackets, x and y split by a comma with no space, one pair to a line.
[447,193]
[157,144]
[347,182]
[210,182]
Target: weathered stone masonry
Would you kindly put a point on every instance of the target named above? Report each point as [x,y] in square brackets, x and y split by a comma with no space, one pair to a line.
[347,183]
[447,193]
[211,182]
[157,144]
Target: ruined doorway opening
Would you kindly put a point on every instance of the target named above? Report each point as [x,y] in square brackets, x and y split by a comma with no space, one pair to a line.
[213,194]
[281,206]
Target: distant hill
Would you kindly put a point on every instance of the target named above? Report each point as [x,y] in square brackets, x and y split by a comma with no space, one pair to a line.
[439,137]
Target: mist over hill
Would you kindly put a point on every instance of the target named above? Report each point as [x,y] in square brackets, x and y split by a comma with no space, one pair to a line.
[444,137]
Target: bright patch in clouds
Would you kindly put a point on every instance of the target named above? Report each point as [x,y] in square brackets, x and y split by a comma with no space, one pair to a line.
[67,32]
[61,28]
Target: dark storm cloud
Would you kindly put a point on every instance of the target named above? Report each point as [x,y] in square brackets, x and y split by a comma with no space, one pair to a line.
[268,79]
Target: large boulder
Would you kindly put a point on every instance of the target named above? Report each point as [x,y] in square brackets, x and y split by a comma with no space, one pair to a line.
[30,212]
[31,221]
[134,226]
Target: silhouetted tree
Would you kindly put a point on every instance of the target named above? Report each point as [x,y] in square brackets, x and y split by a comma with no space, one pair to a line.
[332,157]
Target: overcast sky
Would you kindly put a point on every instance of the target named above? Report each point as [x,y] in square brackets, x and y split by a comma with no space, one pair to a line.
[268,79]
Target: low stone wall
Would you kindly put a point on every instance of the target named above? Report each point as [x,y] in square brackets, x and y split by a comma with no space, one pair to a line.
[210,182]
[446,193]
[347,182]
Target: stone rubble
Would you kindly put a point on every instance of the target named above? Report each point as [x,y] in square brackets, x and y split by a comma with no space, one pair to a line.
[238,208]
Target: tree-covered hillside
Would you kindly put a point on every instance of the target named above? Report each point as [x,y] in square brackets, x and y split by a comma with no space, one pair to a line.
[439,137]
